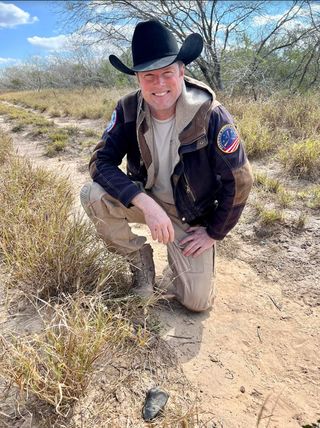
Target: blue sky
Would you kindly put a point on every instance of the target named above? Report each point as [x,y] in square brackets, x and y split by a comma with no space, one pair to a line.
[34,28]
[28,28]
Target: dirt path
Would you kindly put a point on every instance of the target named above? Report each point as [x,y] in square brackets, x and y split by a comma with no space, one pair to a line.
[257,351]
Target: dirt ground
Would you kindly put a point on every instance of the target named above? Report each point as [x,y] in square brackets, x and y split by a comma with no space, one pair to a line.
[255,355]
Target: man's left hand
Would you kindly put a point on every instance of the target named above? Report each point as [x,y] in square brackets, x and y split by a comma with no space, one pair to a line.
[197,241]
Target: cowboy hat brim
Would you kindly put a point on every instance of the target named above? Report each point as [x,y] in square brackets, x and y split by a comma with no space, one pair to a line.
[189,51]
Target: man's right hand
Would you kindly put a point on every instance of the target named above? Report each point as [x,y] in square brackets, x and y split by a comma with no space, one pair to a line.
[156,218]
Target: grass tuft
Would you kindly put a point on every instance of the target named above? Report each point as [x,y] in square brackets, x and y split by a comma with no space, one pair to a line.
[48,250]
[270,184]
[269,216]
[302,159]
[55,365]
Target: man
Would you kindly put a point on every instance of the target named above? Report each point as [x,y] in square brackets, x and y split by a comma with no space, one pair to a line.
[187,178]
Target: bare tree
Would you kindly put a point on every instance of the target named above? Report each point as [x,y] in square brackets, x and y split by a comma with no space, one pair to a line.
[222,24]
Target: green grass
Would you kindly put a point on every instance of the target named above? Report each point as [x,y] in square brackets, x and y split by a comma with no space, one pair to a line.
[311,197]
[269,216]
[58,139]
[267,183]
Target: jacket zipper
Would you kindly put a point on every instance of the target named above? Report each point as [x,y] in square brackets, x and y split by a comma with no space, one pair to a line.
[188,188]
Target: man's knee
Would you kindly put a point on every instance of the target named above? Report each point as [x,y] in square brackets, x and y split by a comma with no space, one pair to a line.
[90,193]
[197,292]
[198,304]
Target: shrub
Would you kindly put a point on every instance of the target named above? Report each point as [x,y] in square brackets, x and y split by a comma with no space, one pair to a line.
[302,159]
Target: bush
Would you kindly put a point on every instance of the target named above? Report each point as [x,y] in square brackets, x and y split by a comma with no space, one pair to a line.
[302,159]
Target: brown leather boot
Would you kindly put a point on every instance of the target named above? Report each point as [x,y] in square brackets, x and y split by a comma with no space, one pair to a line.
[143,271]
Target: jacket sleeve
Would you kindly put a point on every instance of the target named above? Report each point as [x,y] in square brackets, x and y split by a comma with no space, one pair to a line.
[107,157]
[228,158]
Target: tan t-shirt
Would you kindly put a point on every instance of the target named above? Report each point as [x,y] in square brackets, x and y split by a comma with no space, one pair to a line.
[166,154]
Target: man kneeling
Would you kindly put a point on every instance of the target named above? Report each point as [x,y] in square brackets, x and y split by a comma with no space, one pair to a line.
[187,177]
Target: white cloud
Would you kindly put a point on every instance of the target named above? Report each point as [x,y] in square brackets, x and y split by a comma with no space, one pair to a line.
[305,11]
[56,43]
[7,60]
[266,19]
[11,16]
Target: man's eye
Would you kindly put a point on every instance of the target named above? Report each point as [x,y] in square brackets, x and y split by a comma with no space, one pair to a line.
[168,74]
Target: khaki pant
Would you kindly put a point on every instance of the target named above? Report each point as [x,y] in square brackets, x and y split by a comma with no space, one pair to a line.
[193,279]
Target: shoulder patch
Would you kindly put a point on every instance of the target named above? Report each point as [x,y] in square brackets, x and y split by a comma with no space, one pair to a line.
[228,139]
[112,122]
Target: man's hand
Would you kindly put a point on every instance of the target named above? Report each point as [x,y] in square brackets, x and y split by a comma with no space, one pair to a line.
[197,241]
[156,218]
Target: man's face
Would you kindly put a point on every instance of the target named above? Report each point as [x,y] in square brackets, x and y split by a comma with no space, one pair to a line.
[161,88]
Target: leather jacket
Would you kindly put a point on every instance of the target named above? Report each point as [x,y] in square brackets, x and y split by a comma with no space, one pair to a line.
[210,185]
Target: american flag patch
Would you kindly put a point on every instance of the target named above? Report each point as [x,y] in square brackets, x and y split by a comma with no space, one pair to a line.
[228,139]
[112,122]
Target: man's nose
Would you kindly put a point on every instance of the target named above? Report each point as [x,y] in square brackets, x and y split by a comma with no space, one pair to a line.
[159,80]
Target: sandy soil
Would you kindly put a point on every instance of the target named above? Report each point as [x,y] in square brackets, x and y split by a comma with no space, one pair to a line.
[255,355]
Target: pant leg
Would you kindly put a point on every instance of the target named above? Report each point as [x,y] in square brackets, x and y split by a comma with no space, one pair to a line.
[193,277]
[111,219]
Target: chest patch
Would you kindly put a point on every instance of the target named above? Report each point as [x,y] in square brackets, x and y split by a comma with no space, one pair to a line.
[112,122]
[228,139]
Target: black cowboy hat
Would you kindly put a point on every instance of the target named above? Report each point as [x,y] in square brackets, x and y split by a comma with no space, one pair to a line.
[153,47]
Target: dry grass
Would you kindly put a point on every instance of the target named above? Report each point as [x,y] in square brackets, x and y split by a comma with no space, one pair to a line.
[57,138]
[302,159]
[268,126]
[88,103]
[315,197]
[267,183]
[274,189]
[269,216]
[56,364]
[50,253]
[5,148]
[47,249]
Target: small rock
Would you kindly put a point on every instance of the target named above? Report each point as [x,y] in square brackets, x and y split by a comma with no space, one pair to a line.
[155,401]
[242,389]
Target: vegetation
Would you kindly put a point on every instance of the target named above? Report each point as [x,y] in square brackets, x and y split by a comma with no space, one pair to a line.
[248,50]
[79,290]
[49,253]
[55,365]
[56,139]
[89,103]
[269,216]
[302,159]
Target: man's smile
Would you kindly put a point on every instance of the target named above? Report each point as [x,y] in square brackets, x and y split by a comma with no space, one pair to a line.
[160,94]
